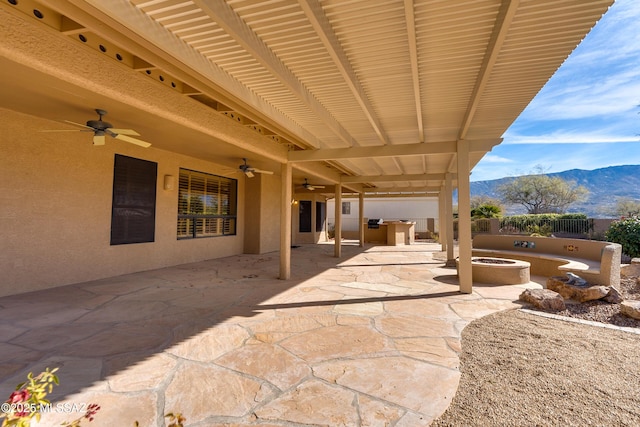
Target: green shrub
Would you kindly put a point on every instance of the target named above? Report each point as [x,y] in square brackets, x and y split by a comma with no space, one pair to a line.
[486,211]
[539,230]
[627,233]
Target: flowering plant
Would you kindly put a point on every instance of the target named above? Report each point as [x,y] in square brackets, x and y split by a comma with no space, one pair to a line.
[30,398]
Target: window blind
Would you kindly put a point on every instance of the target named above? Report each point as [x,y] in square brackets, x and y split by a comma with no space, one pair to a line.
[207,205]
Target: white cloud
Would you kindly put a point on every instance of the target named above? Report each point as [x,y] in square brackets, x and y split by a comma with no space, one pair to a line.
[602,77]
[587,116]
[491,158]
[563,137]
[612,95]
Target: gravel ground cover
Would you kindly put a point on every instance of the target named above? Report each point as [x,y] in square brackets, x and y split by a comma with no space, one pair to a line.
[519,369]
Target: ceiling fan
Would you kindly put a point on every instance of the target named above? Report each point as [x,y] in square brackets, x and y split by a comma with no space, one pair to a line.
[101,128]
[310,187]
[249,171]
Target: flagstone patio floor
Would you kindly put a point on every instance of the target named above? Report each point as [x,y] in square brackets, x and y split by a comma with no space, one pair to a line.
[370,339]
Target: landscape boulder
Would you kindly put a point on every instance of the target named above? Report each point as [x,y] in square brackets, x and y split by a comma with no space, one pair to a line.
[544,299]
[614,296]
[632,269]
[630,308]
[577,292]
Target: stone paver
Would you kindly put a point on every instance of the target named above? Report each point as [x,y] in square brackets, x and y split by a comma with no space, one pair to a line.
[371,339]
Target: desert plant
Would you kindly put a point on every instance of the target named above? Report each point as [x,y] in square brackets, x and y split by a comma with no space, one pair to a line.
[626,232]
[486,211]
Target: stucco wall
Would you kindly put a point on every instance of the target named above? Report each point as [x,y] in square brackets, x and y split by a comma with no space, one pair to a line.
[270,213]
[262,214]
[55,209]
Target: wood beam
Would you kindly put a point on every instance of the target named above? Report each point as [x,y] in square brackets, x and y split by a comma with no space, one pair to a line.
[322,26]
[395,196]
[442,214]
[394,178]
[125,25]
[337,248]
[285,221]
[500,30]
[447,147]
[448,220]
[413,56]
[395,190]
[361,219]
[465,276]
[234,26]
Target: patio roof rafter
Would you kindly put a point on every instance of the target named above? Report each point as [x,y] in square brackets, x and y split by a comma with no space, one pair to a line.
[391,195]
[322,26]
[501,27]
[128,27]
[234,26]
[447,147]
[413,56]
[395,178]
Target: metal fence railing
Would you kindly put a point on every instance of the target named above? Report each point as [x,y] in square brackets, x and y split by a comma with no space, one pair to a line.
[581,228]
[575,228]
[546,226]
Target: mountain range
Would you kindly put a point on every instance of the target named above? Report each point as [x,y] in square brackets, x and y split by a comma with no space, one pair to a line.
[605,185]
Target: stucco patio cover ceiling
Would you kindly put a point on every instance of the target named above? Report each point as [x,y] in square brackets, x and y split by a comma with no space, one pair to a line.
[370,88]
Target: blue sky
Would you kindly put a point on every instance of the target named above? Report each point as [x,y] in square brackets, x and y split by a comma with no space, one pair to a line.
[587,115]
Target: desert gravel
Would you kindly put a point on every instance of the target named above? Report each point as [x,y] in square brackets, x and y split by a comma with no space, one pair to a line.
[521,369]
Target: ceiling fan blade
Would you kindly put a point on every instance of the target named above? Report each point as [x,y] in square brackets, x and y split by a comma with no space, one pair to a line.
[65,130]
[132,140]
[129,132]
[318,186]
[78,124]
[261,171]
[249,173]
[98,139]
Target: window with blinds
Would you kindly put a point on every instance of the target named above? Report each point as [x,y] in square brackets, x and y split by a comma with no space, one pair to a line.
[207,205]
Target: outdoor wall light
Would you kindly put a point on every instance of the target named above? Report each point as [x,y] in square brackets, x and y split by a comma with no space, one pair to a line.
[169,182]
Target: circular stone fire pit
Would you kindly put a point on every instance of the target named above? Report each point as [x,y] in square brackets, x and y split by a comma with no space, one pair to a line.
[500,271]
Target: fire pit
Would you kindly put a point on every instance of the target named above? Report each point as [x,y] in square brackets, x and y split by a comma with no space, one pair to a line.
[500,271]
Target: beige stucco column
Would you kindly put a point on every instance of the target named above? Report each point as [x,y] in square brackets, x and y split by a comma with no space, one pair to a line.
[448,218]
[464,219]
[338,226]
[361,218]
[442,228]
[285,221]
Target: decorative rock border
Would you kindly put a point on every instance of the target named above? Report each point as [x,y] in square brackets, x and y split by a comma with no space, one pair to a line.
[560,288]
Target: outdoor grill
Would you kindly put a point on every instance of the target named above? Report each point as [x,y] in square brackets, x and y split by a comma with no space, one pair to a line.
[374,223]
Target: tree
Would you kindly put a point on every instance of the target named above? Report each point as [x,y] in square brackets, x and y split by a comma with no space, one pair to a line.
[627,207]
[483,199]
[542,193]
